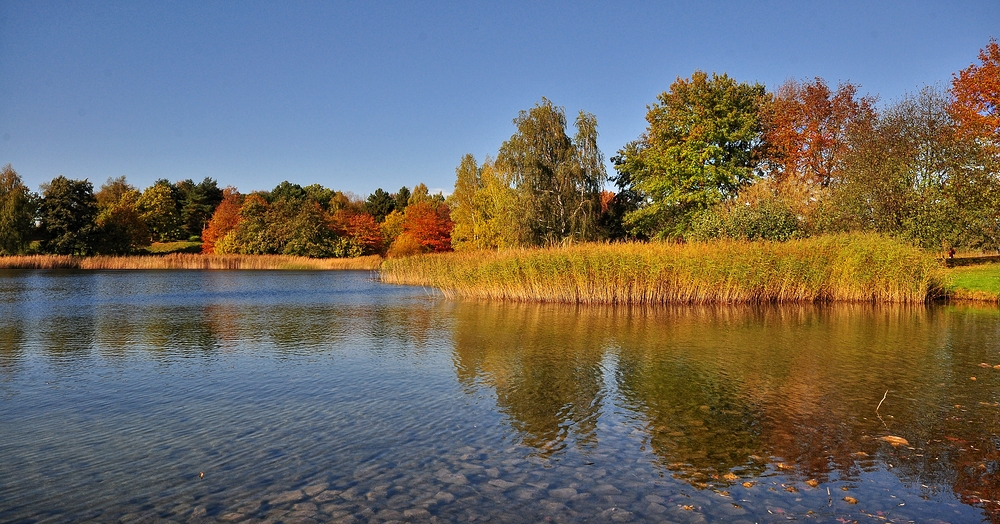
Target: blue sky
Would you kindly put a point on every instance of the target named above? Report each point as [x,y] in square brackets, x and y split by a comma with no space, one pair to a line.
[357,96]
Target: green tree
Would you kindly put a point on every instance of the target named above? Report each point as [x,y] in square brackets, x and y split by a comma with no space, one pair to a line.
[402,198]
[703,143]
[158,209]
[321,195]
[120,228]
[913,173]
[287,191]
[17,212]
[379,204]
[68,212]
[420,194]
[558,179]
[463,203]
[196,204]
[500,221]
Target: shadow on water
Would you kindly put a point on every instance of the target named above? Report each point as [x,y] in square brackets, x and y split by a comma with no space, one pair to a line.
[726,395]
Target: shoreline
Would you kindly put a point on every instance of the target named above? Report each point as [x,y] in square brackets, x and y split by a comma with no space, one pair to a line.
[940,287]
[190,261]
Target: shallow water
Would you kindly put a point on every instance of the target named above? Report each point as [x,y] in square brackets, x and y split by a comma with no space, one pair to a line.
[326,396]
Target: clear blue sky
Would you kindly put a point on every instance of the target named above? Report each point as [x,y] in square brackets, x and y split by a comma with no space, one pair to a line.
[357,96]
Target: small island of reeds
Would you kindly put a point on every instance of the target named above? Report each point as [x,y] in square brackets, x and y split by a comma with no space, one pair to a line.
[857,267]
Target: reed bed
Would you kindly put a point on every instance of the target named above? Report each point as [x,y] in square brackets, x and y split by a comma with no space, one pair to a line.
[189,261]
[848,267]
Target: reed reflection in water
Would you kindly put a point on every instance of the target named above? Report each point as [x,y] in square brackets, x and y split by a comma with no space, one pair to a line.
[330,396]
[725,395]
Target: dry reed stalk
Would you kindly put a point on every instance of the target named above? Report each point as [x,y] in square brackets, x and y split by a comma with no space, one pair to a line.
[851,268]
[190,261]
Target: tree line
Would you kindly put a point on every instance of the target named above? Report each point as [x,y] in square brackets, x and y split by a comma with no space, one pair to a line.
[728,159]
[69,218]
[719,159]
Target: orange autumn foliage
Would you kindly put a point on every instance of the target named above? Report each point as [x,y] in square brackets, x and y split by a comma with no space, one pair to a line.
[224,220]
[806,127]
[976,90]
[359,226]
[429,224]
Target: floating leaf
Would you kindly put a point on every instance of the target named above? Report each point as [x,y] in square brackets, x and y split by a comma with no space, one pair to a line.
[895,441]
[984,365]
[791,489]
[731,477]
[687,507]
[812,483]
[748,484]
[850,500]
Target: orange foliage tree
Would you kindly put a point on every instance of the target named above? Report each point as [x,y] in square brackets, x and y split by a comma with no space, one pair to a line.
[429,224]
[806,128]
[224,220]
[976,91]
[360,227]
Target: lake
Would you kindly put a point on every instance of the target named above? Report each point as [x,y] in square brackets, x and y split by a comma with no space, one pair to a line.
[328,396]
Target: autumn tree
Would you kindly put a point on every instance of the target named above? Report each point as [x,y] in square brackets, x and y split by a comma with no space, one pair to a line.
[196,203]
[426,228]
[557,178]
[806,127]
[976,102]
[224,220]
[360,232]
[250,236]
[702,145]
[68,212]
[17,212]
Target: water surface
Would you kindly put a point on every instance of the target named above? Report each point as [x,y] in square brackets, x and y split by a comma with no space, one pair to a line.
[327,396]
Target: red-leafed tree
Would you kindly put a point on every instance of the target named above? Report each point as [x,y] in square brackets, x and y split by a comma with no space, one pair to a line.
[360,227]
[806,129]
[224,220]
[976,92]
[429,223]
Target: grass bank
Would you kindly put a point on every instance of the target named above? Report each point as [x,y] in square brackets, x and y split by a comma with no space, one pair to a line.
[976,282]
[189,261]
[849,267]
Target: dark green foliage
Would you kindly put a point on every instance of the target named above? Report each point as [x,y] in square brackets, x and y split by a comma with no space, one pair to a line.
[17,212]
[379,204]
[286,191]
[558,179]
[703,143]
[321,195]
[767,220]
[68,212]
[402,199]
[910,174]
[196,204]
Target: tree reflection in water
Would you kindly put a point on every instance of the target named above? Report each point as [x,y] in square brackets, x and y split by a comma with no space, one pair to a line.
[727,394]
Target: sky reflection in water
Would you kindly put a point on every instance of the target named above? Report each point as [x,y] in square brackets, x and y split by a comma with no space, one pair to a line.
[117,389]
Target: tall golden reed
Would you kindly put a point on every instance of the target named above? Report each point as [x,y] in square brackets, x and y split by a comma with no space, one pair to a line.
[857,267]
[188,261]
